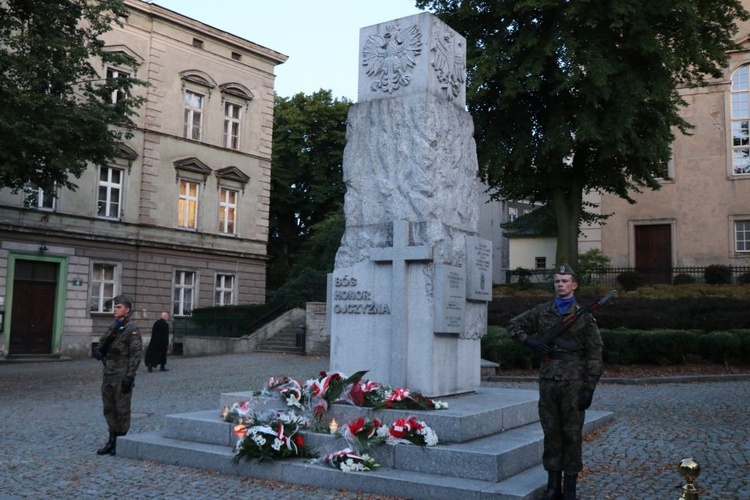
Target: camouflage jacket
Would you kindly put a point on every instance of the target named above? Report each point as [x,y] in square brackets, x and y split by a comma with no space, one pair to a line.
[124,352]
[583,364]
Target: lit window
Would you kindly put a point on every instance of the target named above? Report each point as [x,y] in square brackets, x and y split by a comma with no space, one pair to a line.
[193,115]
[224,293]
[37,197]
[103,287]
[184,292]
[740,95]
[742,235]
[117,94]
[110,192]
[228,211]
[232,125]
[187,215]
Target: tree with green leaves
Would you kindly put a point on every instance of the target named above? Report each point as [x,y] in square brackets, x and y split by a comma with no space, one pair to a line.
[307,186]
[570,97]
[57,112]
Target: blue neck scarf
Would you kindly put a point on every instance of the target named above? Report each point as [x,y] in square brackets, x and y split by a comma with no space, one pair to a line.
[564,304]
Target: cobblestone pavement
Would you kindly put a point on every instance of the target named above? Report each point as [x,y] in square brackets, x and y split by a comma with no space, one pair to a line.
[51,424]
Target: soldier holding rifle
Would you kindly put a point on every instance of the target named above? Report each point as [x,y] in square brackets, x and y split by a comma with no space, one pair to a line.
[119,350]
[569,341]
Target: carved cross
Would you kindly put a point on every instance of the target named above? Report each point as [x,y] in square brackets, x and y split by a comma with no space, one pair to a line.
[399,255]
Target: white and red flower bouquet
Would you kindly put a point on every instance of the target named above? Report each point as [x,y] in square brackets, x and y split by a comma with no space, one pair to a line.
[273,438]
[411,431]
[349,460]
[364,433]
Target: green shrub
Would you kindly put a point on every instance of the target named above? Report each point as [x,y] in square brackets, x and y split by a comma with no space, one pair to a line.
[524,277]
[630,280]
[497,347]
[683,279]
[744,279]
[717,274]
[589,260]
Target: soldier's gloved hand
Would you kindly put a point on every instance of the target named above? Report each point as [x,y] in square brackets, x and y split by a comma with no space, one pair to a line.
[127,385]
[585,397]
[537,345]
[97,353]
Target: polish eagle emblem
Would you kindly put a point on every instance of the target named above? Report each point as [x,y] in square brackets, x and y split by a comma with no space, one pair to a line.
[390,57]
[449,63]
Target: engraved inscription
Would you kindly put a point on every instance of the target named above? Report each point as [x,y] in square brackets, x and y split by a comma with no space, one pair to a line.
[348,299]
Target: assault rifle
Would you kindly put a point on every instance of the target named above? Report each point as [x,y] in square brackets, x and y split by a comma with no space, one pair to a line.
[554,334]
[105,346]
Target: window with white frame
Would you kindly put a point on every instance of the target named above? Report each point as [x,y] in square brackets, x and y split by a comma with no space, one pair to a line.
[36,197]
[232,116]
[187,216]
[104,286]
[742,235]
[184,293]
[224,291]
[193,114]
[117,94]
[228,210]
[109,198]
[740,95]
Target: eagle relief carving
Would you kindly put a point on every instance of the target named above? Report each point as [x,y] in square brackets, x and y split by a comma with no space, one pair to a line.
[389,58]
[448,61]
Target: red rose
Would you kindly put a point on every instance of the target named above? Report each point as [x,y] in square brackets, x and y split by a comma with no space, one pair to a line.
[299,440]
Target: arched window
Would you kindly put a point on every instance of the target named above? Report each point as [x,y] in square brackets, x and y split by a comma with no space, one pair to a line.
[740,93]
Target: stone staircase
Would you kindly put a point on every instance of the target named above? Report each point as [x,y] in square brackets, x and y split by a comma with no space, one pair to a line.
[284,340]
[490,447]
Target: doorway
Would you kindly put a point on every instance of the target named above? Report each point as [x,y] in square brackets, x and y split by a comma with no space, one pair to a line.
[653,253]
[33,309]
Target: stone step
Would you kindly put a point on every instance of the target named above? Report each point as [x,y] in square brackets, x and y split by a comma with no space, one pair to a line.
[491,448]
[385,481]
[491,458]
[283,341]
[469,416]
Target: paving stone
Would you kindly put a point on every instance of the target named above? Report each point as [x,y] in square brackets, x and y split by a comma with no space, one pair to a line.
[52,424]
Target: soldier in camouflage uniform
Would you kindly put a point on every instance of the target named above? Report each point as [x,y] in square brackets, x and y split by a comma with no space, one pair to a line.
[120,351]
[567,378]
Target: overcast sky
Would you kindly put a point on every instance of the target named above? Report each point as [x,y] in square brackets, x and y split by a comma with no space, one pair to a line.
[321,37]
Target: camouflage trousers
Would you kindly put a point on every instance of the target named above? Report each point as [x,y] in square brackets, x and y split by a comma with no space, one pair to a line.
[116,405]
[562,424]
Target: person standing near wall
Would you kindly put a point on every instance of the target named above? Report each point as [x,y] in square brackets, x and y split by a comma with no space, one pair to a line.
[120,350]
[156,354]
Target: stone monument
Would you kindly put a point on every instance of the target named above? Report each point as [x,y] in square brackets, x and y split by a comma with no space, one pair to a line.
[408,297]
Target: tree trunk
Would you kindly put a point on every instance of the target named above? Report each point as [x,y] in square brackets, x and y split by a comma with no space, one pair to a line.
[567,205]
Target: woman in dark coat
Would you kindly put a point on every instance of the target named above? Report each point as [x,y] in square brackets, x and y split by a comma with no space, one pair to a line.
[156,354]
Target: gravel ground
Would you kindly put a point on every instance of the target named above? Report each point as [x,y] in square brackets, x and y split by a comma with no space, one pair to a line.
[52,425]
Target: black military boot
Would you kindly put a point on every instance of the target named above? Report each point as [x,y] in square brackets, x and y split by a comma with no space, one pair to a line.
[569,487]
[554,480]
[109,448]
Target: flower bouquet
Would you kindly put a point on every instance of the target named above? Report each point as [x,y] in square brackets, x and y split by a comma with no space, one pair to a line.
[404,399]
[362,433]
[348,460]
[327,389]
[272,440]
[411,431]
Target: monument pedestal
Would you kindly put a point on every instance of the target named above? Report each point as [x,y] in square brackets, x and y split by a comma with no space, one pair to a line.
[490,447]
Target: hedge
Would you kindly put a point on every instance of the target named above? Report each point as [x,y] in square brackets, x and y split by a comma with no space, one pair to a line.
[635,313]
[635,347]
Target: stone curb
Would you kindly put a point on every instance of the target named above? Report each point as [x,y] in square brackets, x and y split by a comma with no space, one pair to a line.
[682,379]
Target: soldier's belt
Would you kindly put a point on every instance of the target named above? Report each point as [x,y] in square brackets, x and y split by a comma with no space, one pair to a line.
[566,356]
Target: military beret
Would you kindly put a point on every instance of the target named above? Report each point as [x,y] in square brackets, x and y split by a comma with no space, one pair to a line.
[565,269]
